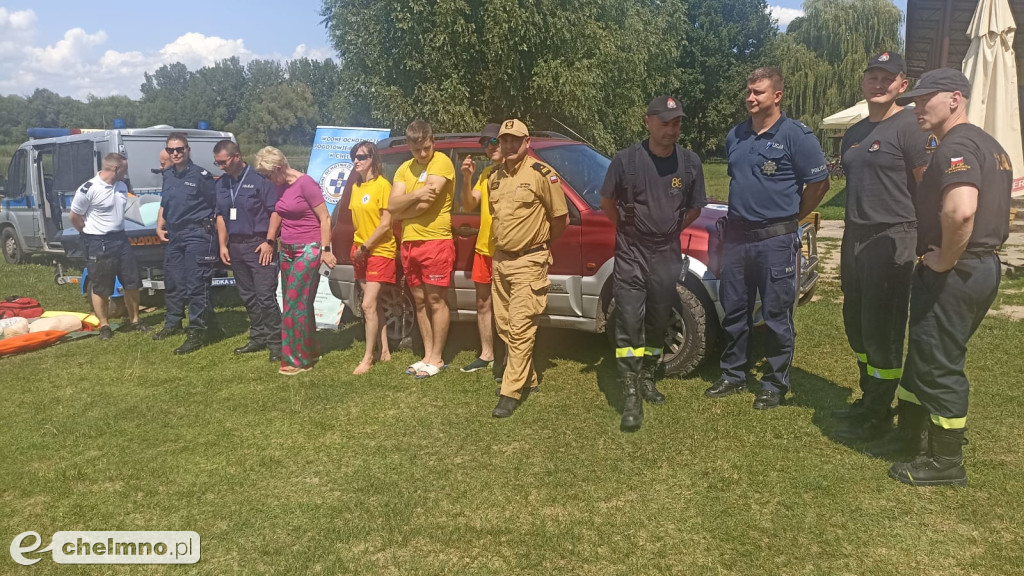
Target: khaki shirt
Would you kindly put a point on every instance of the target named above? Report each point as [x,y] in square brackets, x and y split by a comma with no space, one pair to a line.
[523,201]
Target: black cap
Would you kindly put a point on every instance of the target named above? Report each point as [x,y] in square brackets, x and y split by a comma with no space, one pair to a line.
[665,108]
[489,131]
[938,80]
[888,61]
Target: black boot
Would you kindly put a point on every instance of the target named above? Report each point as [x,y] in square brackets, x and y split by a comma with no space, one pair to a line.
[855,411]
[194,341]
[648,389]
[908,439]
[632,403]
[875,419]
[943,465]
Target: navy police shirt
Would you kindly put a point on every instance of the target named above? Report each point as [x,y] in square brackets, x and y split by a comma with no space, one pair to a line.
[252,196]
[768,170]
[188,197]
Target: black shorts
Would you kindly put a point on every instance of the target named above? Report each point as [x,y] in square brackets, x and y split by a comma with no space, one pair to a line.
[110,256]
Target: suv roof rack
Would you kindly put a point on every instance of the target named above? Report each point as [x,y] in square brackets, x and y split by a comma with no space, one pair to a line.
[400,140]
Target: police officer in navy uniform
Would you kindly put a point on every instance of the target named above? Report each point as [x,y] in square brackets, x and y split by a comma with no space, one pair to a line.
[963,214]
[651,193]
[247,227]
[884,156]
[778,176]
[186,222]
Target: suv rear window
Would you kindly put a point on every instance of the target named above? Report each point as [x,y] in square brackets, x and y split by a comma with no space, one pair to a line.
[581,166]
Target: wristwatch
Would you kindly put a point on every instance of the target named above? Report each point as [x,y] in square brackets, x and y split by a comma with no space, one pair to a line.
[272,242]
[363,248]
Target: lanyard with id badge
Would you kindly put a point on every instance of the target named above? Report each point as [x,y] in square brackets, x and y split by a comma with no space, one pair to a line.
[233,213]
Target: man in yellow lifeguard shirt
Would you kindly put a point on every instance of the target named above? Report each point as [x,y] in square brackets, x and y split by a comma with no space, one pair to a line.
[421,198]
[473,196]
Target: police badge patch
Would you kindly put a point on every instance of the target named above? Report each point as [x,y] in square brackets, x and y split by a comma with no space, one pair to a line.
[768,168]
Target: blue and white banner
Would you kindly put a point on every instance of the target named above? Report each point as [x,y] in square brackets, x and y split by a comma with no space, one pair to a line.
[330,161]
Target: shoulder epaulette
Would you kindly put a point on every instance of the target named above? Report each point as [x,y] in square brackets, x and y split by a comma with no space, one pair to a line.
[85,187]
[204,173]
[542,168]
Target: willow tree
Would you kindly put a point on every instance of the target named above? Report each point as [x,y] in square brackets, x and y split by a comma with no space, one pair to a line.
[823,53]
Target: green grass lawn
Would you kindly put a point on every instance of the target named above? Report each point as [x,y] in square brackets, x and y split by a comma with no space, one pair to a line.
[326,473]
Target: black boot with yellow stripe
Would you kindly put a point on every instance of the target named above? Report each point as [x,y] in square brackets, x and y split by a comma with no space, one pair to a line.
[941,466]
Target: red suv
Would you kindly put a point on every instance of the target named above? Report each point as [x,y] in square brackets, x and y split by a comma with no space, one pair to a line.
[580,296]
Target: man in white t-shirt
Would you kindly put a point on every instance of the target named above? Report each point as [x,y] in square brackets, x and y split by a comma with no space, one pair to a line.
[97,212]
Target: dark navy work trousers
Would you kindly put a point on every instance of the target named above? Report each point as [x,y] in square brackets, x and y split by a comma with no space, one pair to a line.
[767,267]
[257,287]
[188,269]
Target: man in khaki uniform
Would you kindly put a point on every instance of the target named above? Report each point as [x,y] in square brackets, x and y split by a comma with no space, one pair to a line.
[528,213]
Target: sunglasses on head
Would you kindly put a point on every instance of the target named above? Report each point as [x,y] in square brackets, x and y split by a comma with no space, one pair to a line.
[178,150]
[360,157]
[485,142]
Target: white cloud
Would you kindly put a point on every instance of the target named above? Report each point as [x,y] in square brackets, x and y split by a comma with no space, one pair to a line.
[785,15]
[78,65]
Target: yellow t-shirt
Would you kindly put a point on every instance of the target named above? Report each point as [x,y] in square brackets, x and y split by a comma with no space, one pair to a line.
[368,199]
[484,240]
[436,222]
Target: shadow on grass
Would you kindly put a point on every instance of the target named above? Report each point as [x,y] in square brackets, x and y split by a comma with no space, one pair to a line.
[824,397]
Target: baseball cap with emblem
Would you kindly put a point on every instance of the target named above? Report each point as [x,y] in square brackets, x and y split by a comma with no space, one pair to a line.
[938,80]
[665,108]
[889,61]
[514,127]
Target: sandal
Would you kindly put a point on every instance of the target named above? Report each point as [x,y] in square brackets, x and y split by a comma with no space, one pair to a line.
[415,367]
[429,370]
[292,370]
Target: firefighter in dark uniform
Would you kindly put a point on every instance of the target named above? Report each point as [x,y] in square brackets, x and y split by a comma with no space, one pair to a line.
[883,157]
[528,213]
[186,222]
[963,214]
[778,176]
[651,193]
[247,227]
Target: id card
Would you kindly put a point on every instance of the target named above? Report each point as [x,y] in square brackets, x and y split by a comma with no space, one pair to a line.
[233,214]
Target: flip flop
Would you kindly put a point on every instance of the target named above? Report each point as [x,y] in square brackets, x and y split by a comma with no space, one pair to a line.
[415,367]
[429,370]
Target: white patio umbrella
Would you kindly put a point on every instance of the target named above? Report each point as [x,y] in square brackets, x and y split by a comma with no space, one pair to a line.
[845,118]
[989,65]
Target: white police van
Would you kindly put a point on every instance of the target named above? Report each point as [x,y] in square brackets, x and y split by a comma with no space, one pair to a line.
[46,171]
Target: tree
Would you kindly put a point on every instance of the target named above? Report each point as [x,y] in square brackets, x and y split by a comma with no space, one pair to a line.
[823,54]
[165,96]
[725,42]
[284,114]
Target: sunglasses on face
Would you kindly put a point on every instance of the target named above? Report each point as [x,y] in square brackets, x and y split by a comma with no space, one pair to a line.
[222,162]
[178,150]
[485,142]
[360,157]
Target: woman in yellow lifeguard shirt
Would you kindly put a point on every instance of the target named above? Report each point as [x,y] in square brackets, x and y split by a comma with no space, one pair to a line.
[373,247]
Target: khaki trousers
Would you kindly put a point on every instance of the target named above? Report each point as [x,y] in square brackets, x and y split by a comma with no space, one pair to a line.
[520,294]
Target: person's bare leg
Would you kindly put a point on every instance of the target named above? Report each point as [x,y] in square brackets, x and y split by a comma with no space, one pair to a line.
[437,302]
[385,348]
[100,305]
[131,302]
[485,321]
[370,323]
[419,298]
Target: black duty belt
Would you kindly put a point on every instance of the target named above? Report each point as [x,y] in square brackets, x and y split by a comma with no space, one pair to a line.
[755,231]
[204,224]
[536,248]
[869,230]
[239,238]
[978,253]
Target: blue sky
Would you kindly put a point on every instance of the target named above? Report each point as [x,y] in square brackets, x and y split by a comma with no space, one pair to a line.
[104,47]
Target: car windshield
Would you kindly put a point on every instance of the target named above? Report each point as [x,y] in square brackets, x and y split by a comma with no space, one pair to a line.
[581,166]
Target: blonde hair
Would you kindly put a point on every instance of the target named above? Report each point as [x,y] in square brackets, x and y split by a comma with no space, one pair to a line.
[269,159]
